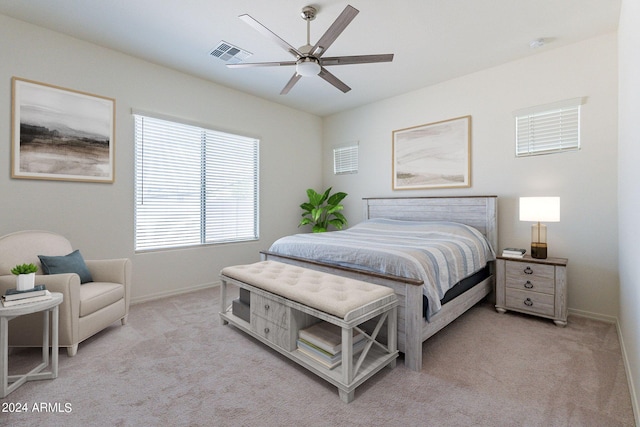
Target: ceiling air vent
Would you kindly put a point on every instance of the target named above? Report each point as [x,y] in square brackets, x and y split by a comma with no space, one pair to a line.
[229,53]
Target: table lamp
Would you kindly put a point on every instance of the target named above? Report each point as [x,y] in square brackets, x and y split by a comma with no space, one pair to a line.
[539,209]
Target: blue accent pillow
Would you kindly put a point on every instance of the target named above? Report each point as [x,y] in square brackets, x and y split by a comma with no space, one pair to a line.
[72,263]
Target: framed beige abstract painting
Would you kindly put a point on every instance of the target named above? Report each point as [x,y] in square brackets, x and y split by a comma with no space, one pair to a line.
[61,134]
[435,155]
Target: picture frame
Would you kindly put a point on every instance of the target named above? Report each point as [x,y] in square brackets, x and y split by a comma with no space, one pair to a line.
[434,155]
[61,134]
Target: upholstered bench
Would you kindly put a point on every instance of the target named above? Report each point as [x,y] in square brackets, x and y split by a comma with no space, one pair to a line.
[284,299]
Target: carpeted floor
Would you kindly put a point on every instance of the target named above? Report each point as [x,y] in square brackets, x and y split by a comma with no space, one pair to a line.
[173,364]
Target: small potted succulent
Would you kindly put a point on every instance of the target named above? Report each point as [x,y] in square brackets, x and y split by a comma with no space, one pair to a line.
[25,276]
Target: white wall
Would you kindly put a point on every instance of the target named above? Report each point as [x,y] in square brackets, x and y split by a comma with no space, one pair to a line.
[585,180]
[629,191]
[98,218]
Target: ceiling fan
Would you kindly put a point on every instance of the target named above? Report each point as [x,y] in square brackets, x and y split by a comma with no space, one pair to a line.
[309,59]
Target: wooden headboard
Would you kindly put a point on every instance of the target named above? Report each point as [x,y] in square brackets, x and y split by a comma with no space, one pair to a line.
[480,212]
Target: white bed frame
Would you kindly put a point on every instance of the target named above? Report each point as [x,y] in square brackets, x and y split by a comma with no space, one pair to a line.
[477,211]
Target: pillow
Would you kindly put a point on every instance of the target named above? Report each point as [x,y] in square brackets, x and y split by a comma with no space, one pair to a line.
[72,263]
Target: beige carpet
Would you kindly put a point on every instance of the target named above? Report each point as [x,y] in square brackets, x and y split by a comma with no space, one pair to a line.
[174,365]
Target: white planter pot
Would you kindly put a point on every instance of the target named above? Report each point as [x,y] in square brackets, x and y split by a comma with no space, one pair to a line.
[24,282]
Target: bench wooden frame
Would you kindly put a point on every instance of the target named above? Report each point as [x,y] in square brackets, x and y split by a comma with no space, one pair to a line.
[282,338]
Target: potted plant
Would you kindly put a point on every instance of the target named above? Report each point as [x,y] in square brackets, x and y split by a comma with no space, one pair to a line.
[25,276]
[322,210]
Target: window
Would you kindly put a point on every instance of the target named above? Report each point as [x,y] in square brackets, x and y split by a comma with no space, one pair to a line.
[194,186]
[548,128]
[345,159]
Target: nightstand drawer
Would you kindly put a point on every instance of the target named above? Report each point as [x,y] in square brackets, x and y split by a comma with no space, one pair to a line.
[533,302]
[531,277]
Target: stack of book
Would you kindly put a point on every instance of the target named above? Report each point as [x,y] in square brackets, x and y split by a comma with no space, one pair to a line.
[513,252]
[323,343]
[13,297]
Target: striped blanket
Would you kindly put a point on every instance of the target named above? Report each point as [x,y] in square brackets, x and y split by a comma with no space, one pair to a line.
[439,253]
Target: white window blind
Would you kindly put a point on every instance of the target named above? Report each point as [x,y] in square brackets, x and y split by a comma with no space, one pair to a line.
[345,159]
[194,186]
[548,128]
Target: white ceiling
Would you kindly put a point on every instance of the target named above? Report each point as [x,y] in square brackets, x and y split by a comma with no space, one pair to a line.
[433,40]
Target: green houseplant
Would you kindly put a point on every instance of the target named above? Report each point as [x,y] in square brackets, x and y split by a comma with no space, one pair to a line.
[25,276]
[323,210]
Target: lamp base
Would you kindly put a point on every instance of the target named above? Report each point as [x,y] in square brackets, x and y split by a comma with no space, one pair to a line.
[538,250]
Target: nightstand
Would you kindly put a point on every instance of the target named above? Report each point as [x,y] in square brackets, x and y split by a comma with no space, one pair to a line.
[533,286]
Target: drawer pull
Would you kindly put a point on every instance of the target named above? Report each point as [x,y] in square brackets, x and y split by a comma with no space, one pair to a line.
[528,302]
[528,270]
[266,330]
[528,285]
[266,307]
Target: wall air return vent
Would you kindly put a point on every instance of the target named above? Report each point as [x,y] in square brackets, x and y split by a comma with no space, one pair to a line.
[229,53]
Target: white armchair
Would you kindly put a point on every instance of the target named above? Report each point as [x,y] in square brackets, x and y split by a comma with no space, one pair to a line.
[86,308]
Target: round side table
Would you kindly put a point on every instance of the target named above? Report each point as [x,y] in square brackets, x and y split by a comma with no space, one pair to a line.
[10,383]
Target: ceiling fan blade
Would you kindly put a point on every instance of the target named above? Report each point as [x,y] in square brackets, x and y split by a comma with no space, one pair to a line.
[333,80]
[334,31]
[357,59]
[261,64]
[294,79]
[270,35]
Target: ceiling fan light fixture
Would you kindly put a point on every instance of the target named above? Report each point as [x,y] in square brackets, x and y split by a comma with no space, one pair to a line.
[307,67]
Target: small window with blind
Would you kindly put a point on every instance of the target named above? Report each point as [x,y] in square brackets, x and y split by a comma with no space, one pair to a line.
[345,159]
[194,186]
[547,129]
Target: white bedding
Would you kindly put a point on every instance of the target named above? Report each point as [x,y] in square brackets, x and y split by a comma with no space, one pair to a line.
[439,253]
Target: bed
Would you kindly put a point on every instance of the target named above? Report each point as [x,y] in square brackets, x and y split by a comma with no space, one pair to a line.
[478,212]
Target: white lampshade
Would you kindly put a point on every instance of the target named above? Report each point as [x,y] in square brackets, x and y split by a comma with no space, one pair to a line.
[308,67]
[540,209]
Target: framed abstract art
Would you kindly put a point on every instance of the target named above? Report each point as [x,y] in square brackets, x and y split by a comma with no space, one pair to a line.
[435,155]
[61,134]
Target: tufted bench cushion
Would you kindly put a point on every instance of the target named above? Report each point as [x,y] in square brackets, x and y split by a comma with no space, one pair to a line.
[332,294]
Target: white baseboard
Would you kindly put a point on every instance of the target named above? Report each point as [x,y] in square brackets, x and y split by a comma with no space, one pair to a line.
[632,389]
[594,316]
[173,292]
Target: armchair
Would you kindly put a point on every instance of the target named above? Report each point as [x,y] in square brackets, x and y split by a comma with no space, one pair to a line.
[86,308]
